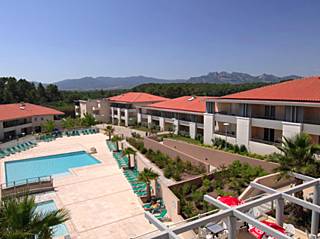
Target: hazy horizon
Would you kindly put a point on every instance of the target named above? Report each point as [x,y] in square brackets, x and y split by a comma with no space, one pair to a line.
[51,41]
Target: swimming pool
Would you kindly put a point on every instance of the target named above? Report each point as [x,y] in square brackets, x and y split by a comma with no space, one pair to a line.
[20,170]
[49,206]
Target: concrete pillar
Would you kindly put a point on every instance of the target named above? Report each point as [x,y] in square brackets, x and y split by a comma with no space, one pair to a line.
[290,129]
[139,118]
[232,227]
[149,120]
[193,130]
[279,211]
[243,131]
[315,215]
[112,115]
[119,116]
[161,123]
[1,131]
[176,126]
[208,128]
[126,117]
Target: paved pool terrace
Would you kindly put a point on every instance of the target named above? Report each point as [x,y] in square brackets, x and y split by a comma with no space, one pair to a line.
[99,198]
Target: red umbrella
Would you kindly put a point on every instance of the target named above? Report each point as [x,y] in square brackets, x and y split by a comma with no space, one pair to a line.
[230,201]
[257,233]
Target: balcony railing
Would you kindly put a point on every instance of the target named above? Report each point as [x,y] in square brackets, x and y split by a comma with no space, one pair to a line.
[275,143]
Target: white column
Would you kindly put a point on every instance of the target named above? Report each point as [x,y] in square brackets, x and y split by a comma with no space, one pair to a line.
[232,227]
[149,120]
[208,128]
[1,131]
[290,129]
[112,115]
[139,117]
[161,123]
[279,211]
[193,130]
[176,126]
[243,131]
[126,117]
[119,116]
[315,215]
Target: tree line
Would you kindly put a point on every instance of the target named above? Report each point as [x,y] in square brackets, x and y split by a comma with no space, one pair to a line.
[14,91]
[173,90]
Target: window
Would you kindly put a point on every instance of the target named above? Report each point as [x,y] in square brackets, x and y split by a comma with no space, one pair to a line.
[210,107]
[270,111]
[268,135]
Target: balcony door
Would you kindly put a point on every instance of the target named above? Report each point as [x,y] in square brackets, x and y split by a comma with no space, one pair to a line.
[270,112]
[268,135]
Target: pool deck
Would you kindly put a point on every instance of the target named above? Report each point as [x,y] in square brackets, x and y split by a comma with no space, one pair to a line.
[99,198]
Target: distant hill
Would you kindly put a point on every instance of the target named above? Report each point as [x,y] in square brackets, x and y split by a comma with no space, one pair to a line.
[238,78]
[91,83]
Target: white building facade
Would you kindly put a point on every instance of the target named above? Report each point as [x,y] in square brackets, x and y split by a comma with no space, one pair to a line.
[260,118]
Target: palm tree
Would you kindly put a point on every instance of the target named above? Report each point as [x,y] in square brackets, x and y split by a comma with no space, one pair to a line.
[88,120]
[19,219]
[48,126]
[146,176]
[115,139]
[68,123]
[298,155]
[109,131]
[128,151]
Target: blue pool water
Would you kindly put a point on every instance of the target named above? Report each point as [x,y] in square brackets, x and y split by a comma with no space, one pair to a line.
[49,206]
[20,170]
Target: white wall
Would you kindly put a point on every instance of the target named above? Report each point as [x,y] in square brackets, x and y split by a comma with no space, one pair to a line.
[161,123]
[261,148]
[208,128]
[243,131]
[192,130]
[290,130]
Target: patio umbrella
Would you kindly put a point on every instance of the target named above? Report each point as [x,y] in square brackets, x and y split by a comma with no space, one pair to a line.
[230,201]
[257,233]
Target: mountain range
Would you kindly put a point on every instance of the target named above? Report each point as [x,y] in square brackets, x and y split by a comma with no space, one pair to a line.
[93,83]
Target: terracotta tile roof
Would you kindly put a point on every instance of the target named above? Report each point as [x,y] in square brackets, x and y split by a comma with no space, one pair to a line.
[184,103]
[303,90]
[136,97]
[18,111]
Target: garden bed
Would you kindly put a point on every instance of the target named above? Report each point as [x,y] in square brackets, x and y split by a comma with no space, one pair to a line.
[230,180]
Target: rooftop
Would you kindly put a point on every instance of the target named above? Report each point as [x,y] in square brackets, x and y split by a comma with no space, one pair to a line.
[184,103]
[302,90]
[24,110]
[136,97]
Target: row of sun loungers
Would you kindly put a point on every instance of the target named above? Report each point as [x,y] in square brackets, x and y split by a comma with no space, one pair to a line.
[139,188]
[81,131]
[158,209]
[111,146]
[53,136]
[16,149]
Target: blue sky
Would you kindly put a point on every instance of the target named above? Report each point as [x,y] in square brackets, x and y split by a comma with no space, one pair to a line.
[48,41]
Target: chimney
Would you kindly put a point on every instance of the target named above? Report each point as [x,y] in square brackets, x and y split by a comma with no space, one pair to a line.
[22,106]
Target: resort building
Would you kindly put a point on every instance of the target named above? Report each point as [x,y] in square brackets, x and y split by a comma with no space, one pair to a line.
[119,110]
[124,107]
[260,118]
[183,115]
[21,119]
[100,109]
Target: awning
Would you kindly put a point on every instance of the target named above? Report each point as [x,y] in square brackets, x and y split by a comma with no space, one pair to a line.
[230,201]
[257,233]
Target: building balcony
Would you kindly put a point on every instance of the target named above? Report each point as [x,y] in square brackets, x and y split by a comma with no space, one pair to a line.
[232,119]
[258,140]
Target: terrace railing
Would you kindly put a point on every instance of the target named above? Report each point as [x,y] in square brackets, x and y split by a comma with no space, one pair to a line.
[30,186]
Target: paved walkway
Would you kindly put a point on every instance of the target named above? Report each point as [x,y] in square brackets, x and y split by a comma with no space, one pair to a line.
[99,198]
